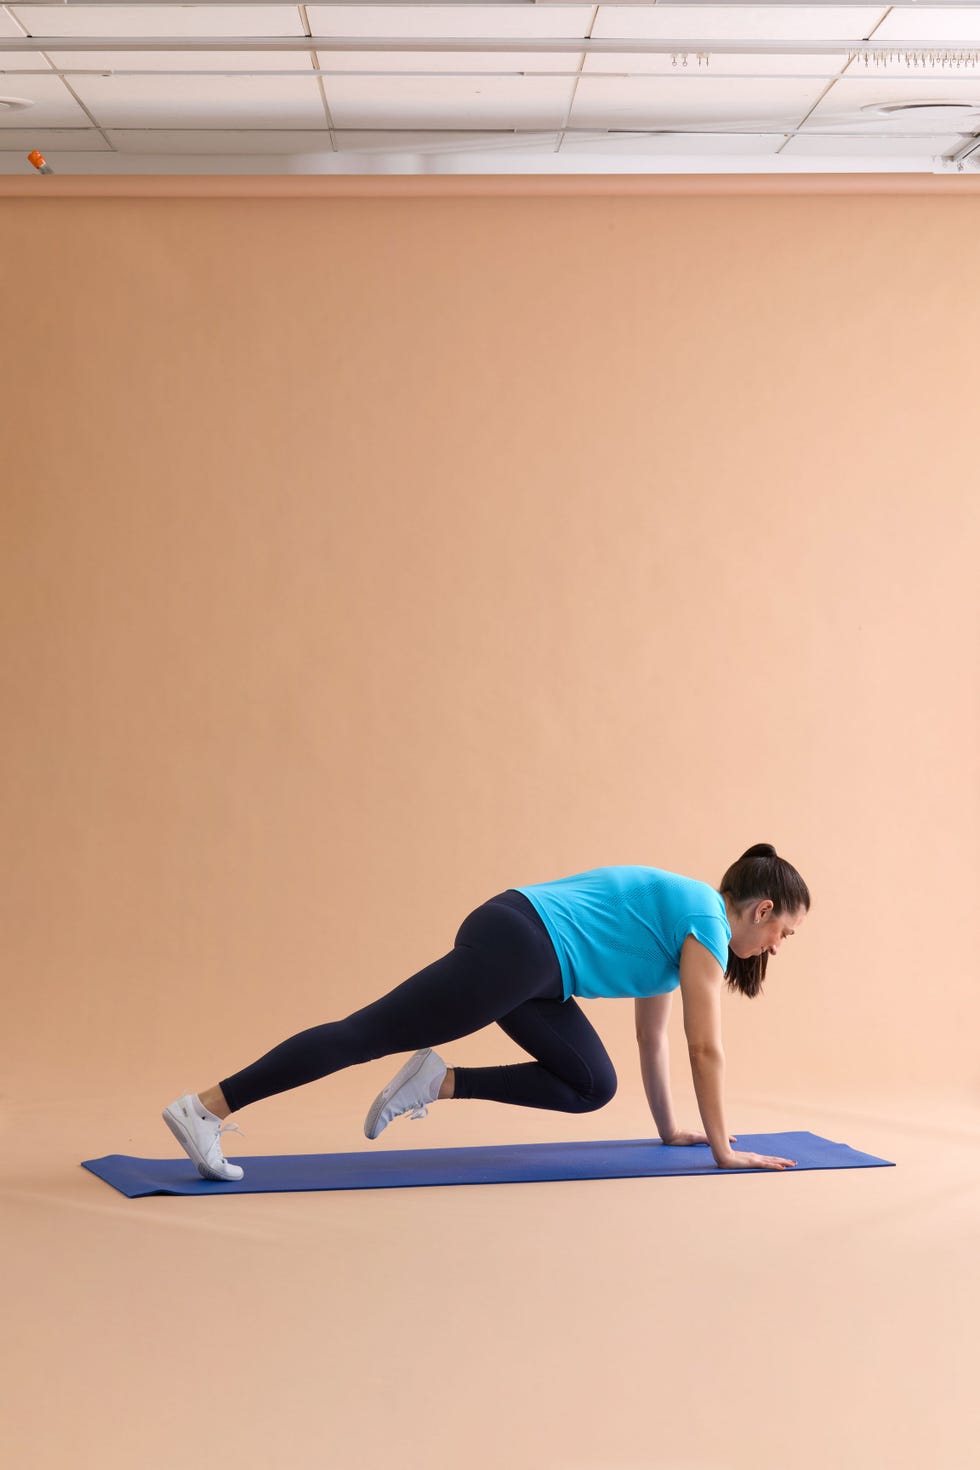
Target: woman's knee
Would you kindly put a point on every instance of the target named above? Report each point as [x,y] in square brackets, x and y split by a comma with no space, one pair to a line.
[601,1090]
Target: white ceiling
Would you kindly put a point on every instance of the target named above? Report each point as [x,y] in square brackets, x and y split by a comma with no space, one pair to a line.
[533,87]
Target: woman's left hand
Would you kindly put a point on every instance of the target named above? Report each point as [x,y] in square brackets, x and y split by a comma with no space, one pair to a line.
[683,1140]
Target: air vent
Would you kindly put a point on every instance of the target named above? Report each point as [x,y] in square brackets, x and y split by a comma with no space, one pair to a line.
[946,114]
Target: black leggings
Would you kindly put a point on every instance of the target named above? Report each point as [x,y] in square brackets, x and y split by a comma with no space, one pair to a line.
[503,968]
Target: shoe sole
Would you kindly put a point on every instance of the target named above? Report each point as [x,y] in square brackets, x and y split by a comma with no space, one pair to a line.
[190,1148]
[411,1069]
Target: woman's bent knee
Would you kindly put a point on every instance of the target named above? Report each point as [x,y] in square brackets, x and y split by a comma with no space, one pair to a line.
[602,1091]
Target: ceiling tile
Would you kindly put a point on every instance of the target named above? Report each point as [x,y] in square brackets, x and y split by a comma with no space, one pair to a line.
[443,62]
[502,102]
[754,65]
[254,102]
[672,145]
[192,61]
[218,141]
[160,20]
[49,140]
[497,21]
[53,106]
[736,22]
[935,23]
[674,101]
[804,146]
[443,141]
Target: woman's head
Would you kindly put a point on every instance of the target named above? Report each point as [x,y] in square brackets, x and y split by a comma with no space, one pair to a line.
[766,901]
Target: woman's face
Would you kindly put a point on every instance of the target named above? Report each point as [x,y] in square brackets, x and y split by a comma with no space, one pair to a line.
[757,930]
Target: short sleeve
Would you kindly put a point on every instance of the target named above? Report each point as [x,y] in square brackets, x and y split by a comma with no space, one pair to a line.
[708,930]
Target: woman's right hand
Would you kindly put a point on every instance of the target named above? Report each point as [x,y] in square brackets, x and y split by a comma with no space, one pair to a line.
[753,1161]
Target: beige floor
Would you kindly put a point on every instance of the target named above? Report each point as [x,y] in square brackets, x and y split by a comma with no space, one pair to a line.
[778,1321]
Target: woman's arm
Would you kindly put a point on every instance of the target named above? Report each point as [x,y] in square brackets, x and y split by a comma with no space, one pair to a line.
[701,985]
[652,1012]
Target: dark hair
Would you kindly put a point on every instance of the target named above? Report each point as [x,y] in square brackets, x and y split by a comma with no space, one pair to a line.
[760,873]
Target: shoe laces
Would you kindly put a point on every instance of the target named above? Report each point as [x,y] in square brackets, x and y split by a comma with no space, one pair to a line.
[420,1112]
[223,1128]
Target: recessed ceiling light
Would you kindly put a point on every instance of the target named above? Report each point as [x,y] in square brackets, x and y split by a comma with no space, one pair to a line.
[15,103]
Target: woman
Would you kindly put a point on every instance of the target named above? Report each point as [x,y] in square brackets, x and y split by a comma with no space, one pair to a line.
[520,959]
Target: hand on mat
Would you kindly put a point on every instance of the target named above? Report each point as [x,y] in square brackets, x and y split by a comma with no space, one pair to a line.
[754,1161]
[680,1139]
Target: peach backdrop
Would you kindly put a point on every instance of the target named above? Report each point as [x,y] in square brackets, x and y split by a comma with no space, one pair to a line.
[363,557]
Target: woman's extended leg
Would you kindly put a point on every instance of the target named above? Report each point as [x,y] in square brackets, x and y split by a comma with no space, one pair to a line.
[501,960]
[503,968]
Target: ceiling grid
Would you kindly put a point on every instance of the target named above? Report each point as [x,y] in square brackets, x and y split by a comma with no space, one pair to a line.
[494,86]
[304,17]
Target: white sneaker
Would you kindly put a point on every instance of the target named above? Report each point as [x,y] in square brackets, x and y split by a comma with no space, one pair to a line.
[416,1084]
[199,1134]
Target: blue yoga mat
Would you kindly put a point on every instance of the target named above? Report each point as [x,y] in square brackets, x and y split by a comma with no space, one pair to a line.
[626,1158]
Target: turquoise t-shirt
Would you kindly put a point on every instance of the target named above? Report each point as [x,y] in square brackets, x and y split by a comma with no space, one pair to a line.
[619,931]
